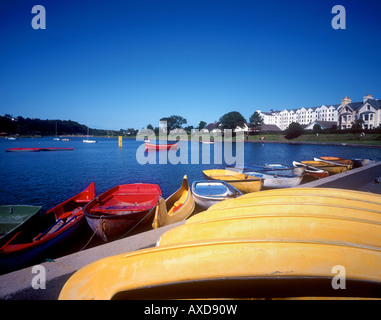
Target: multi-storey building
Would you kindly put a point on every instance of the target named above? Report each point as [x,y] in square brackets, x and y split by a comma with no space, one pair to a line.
[343,115]
[369,111]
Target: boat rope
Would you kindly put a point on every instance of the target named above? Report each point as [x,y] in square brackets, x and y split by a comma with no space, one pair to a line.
[149,212]
[92,236]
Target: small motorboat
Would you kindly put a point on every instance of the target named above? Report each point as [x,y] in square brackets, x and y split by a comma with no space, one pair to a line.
[243,182]
[272,244]
[117,211]
[177,207]
[40,234]
[207,193]
[313,172]
[168,146]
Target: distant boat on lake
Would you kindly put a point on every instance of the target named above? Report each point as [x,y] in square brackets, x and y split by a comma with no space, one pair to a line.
[87,140]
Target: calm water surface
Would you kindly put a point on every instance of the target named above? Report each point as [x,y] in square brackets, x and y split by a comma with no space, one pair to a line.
[49,178]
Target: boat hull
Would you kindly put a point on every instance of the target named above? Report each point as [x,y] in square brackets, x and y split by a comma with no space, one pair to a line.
[331,168]
[117,211]
[213,196]
[216,253]
[170,146]
[38,149]
[337,161]
[177,207]
[312,172]
[12,217]
[243,182]
[42,233]
[112,227]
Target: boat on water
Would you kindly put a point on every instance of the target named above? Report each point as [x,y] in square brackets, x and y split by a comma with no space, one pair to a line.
[276,181]
[336,160]
[87,140]
[362,162]
[40,234]
[271,168]
[207,193]
[12,216]
[177,207]
[332,168]
[274,175]
[37,149]
[272,244]
[154,146]
[117,211]
[243,182]
[313,172]
[284,169]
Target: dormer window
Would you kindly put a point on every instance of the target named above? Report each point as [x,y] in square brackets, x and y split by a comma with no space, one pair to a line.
[367,107]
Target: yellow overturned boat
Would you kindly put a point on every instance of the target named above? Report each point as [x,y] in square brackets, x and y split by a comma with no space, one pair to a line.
[177,207]
[241,181]
[283,243]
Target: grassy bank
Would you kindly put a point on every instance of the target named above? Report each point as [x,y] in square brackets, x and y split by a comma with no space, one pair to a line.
[353,138]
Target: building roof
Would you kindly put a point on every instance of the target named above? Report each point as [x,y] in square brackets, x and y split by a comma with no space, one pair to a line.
[212,125]
[270,127]
[323,124]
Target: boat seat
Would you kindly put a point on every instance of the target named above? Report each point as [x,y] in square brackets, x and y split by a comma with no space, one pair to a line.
[109,209]
[178,204]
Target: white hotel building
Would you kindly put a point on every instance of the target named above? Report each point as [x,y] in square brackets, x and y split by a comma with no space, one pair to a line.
[342,115]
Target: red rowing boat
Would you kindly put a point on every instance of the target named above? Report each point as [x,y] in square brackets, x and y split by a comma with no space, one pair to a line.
[151,146]
[37,149]
[115,212]
[41,233]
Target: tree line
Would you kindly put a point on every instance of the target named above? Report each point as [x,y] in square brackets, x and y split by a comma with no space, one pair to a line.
[10,125]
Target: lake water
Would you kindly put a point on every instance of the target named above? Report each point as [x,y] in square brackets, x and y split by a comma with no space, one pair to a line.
[49,178]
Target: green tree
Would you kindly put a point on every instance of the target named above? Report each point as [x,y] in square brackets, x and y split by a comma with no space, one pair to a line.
[188,129]
[201,125]
[294,130]
[232,120]
[317,128]
[174,122]
[150,127]
[256,121]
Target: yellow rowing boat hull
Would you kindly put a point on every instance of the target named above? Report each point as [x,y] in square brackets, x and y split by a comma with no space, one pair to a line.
[276,243]
[177,207]
[243,182]
[331,168]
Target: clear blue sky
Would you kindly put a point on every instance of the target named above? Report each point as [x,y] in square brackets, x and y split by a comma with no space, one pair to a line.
[126,63]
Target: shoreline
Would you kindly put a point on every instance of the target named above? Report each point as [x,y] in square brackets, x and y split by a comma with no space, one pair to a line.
[347,144]
[319,143]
